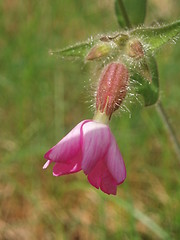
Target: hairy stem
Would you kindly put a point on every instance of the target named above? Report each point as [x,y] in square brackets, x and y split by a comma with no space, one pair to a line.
[124,13]
[169,128]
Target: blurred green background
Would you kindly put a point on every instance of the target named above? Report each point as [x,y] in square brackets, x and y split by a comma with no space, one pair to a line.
[42,98]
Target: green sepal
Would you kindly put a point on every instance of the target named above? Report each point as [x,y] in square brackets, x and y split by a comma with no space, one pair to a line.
[148,87]
[78,50]
[148,91]
[130,13]
[155,37]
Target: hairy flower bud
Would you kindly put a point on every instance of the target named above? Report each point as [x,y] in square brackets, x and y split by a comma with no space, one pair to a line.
[100,50]
[112,88]
[135,49]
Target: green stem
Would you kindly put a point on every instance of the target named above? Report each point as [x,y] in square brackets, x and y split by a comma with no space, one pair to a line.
[124,13]
[173,137]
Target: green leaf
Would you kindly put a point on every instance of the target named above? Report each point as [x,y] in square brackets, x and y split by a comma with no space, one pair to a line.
[154,38]
[148,87]
[130,12]
[78,50]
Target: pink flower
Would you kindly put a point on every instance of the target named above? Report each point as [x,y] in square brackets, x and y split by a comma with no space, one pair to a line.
[90,147]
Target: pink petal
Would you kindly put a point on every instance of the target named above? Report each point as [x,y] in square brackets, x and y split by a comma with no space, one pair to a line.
[68,168]
[68,147]
[108,184]
[94,177]
[46,164]
[100,177]
[115,162]
[96,140]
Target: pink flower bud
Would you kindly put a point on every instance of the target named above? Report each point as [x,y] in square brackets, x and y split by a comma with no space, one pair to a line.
[112,88]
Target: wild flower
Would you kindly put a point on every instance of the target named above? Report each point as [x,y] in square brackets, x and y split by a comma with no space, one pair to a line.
[91,146]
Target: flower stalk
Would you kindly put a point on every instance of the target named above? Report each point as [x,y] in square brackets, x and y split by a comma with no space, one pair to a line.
[169,128]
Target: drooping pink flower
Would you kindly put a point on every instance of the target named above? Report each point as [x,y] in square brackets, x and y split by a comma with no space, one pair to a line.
[90,147]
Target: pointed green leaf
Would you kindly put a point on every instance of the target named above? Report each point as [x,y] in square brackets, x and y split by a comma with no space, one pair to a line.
[130,12]
[79,50]
[154,38]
